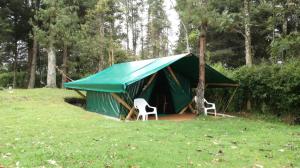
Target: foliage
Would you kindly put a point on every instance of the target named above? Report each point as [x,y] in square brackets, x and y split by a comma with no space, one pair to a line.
[57,134]
[226,29]
[272,88]
[6,79]
[285,47]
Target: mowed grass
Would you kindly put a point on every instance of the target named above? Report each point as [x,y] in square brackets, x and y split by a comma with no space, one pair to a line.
[37,128]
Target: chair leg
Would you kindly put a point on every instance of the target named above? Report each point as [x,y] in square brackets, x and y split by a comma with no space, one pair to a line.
[205,112]
[156,116]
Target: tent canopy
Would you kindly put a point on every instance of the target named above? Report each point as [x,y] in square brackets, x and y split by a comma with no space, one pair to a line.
[118,77]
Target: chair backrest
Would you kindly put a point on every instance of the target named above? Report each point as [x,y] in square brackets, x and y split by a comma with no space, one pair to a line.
[140,104]
[196,98]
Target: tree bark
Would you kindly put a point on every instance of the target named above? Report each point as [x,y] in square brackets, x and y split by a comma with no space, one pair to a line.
[31,82]
[29,58]
[15,64]
[64,65]
[127,26]
[285,27]
[248,53]
[101,44]
[201,83]
[51,73]
[33,65]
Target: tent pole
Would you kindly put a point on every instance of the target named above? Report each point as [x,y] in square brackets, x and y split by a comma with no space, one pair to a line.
[183,110]
[80,93]
[131,111]
[62,73]
[173,75]
[121,101]
[230,99]
[149,82]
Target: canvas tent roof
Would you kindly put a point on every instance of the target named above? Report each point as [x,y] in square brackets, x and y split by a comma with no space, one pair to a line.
[117,77]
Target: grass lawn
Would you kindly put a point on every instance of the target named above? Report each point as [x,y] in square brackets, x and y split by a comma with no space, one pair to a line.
[39,129]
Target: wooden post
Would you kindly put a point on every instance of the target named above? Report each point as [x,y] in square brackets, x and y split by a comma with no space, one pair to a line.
[81,94]
[130,113]
[183,110]
[230,99]
[173,75]
[63,74]
[149,82]
[121,101]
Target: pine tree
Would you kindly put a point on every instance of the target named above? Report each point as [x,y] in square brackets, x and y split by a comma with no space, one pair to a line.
[157,26]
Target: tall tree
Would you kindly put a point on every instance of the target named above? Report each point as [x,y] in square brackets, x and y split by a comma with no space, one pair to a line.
[158,23]
[202,15]
[57,20]
[248,53]
[33,63]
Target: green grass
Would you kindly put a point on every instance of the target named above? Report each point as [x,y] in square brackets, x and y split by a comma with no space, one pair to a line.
[37,128]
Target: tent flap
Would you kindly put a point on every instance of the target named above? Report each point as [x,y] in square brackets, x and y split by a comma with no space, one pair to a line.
[181,94]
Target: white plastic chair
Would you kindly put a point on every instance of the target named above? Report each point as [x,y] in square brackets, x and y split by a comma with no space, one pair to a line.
[211,106]
[141,105]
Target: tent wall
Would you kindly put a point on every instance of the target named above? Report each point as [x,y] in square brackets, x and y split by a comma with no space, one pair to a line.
[103,103]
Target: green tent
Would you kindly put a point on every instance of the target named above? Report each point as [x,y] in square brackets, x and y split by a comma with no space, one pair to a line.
[165,82]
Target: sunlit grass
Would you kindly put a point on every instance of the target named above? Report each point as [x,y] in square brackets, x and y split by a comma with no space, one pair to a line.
[39,129]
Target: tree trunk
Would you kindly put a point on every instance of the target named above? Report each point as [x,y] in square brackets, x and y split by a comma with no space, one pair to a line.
[101,44]
[29,58]
[51,73]
[64,65]
[142,32]
[201,83]
[127,26]
[31,82]
[285,26]
[248,53]
[15,64]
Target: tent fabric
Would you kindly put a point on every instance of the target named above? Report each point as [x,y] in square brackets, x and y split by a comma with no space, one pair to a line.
[127,80]
[119,76]
[188,67]
[104,103]
[181,93]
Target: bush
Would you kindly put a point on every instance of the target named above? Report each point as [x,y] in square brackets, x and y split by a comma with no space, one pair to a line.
[271,88]
[6,79]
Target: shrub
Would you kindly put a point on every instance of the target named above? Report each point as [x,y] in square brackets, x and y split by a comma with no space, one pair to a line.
[6,79]
[271,88]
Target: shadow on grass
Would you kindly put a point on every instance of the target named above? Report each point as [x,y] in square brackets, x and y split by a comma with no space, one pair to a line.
[80,102]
